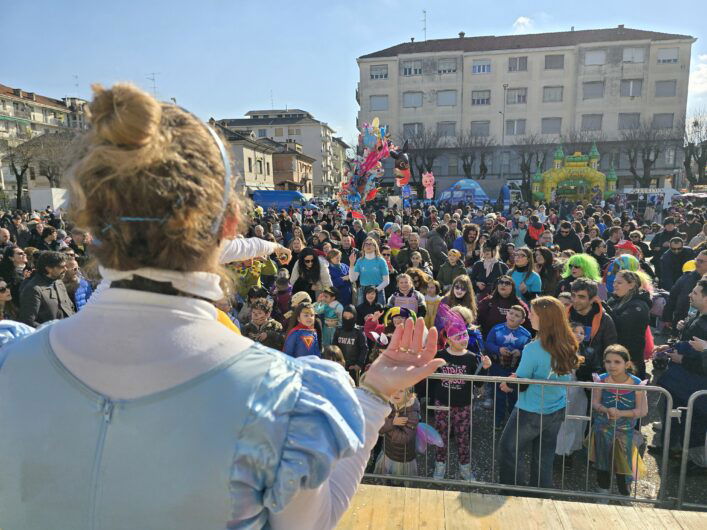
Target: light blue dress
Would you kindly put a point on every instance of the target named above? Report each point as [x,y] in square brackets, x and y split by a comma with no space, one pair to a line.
[218,451]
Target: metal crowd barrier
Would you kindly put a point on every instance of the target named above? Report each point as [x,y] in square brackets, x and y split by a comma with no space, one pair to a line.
[494,484]
[685,450]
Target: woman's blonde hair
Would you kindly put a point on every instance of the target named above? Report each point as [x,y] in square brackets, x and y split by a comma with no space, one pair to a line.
[148,181]
[375,246]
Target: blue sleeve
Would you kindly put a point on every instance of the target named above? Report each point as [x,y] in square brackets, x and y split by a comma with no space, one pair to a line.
[492,347]
[535,284]
[382,268]
[291,344]
[303,418]
[528,363]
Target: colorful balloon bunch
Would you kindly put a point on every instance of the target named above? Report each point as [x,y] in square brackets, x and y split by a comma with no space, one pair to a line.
[365,170]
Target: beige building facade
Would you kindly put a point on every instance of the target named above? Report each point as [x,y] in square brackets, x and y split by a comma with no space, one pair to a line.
[315,137]
[253,161]
[26,115]
[591,83]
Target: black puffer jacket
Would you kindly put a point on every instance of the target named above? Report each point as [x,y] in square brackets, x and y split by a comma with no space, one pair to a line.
[631,319]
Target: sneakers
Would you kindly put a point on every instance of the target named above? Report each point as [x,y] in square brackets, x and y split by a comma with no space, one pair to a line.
[440,470]
[466,472]
[487,404]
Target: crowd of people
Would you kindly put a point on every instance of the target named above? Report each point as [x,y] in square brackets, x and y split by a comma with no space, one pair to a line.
[163,352]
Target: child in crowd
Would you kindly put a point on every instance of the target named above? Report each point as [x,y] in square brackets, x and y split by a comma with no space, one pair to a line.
[504,344]
[302,338]
[406,296]
[452,268]
[261,327]
[613,437]
[334,354]
[399,434]
[565,298]
[455,394]
[571,435]
[352,342]
[282,295]
[254,293]
[369,305]
[432,300]
[330,310]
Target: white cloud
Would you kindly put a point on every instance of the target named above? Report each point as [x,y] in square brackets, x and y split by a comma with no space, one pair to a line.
[697,93]
[523,25]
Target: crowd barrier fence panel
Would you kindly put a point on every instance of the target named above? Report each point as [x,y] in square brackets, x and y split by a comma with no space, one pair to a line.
[584,493]
[690,410]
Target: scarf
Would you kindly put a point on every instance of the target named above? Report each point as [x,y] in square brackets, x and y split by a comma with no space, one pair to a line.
[489,265]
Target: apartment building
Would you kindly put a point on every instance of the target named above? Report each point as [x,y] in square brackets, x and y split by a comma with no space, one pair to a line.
[253,160]
[590,83]
[292,169]
[339,159]
[26,115]
[315,137]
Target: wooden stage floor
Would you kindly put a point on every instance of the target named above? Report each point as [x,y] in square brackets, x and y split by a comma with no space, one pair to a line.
[382,508]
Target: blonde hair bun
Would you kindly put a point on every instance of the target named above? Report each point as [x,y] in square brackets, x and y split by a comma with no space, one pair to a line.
[124,115]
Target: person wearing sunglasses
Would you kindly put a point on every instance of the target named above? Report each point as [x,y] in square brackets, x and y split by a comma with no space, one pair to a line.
[12,269]
[578,266]
[310,274]
[370,270]
[8,311]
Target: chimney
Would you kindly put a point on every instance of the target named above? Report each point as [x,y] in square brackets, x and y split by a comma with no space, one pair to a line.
[32,96]
[461,34]
[17,92]
[412,39]
[621,26]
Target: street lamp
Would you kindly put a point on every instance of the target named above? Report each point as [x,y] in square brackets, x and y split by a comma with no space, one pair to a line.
[503,125]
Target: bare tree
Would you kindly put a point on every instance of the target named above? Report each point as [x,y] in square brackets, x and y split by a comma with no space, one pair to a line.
[694,147]
[582,141]
[20,159]
[51,155]
[532,152]
[424,148]
[643,145]
[470,147]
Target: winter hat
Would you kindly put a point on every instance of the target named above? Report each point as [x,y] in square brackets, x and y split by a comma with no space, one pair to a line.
[299,298]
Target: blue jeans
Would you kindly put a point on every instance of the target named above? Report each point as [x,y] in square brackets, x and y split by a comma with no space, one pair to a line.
[540,440]
[504,402]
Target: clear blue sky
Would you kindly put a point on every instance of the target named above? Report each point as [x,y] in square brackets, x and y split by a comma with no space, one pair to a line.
[221,58]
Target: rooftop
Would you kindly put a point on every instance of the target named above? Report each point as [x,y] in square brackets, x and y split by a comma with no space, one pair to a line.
[274,112]
[18,93]
[535,40]
[251,122]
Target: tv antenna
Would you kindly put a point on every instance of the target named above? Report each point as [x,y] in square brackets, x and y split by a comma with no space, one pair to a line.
[76,84]
[272,104]
[424,23]
[153,77]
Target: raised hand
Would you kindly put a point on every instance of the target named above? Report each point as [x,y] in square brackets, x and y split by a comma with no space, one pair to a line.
[408,359]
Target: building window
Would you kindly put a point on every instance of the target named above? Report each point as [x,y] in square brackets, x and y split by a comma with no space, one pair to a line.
[515,127]
[447,66]
[480,97]
[446,98]
[250,165]
[629,120]
[633,55]
[290,131]
[278,131]
[593,90]
[663,121]
[665,89]
[412,68]
[670,157]
[411,130]
[551,126]
[594,57]
[452,166]
[552,94]
[480,128]
[267,168]
[262,133]
[259,167]
[518,64]
[412,99]
[667,55]
[446,128]
[554,62]
[481,66]
[379,71]
[379,102]
[516,95]
[631,87]
[591,122]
